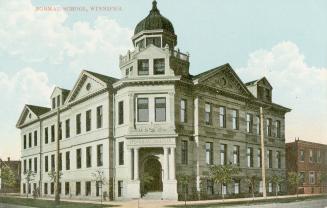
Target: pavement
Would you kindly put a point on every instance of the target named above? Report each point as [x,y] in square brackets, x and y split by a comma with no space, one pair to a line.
[12,206]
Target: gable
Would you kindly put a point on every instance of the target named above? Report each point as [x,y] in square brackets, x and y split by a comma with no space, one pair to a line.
[26,116]
[151,51]
[264,83]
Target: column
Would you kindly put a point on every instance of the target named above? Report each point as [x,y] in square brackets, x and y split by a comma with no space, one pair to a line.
[130,163]
[136,163]
[165,163]
[172,166]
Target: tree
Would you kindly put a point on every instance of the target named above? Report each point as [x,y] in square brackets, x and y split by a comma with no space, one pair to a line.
[277,180]
[29,177]
[294,180]
[251,181]
[100,179]
[323,178]
[223,174]
[53,176]
[146,179]
[7,177]
[184,180]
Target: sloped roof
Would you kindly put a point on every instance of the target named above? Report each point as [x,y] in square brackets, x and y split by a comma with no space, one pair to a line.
[38,110]
[208,71]
[251,82]
[102,77]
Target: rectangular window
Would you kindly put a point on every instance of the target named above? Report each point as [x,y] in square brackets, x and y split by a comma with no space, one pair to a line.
[60,161]
[310,156]
[78,123]
[302,155]
[66,188]
[302,176]
[58,100]
[312,177]
[143,67]
[209,153]
[223,154]
[45,188]
[142,110]
[25,168]
[35,164]
[88,188]
[52,188]
[127,72]
[120,188]
[88,120]
[24,188]
[158,66]
[184,152]
[30,164]
[88,157]
[236,155]
[318,156]
[46,135]
[97,188]
[259,160]
[277,129]
[30,140]
[236,187]
[250,156]
[222,117]
[183,115]
[234,119]
[53,103]
[270,159]
[35,138]
[208,116]
[60,131]
[52,162]
[24,141]
[46,164]
[160,109]
[224,189]
[78,188]
[52,133]
[99,117]
[249,123]
[79,158]
[258,124]
[269,187]
[121,112]
[121,153]
[260,187]
[268,127]
[154,41]
[278,159]
[29,188]
[67,123]
[99,155]
[59,188]
[210,188]
[68,160]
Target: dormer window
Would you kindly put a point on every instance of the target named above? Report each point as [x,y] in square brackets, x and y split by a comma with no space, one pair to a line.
[143,67]
[158,66]
[53,103]
[140,44]
[58,100]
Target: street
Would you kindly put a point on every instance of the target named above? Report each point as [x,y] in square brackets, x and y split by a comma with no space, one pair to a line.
[319,203]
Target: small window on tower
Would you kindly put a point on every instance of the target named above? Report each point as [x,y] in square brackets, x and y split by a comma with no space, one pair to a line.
[143,67]
[159,66]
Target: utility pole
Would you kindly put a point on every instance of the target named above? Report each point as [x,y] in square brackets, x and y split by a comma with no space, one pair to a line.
[263,162]
[57,197]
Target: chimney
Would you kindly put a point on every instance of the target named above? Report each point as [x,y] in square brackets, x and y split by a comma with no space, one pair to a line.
[8,159]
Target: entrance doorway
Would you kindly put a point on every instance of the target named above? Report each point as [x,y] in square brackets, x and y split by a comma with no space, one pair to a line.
[151,178]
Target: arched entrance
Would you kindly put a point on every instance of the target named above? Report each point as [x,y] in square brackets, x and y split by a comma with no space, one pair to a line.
[151,178]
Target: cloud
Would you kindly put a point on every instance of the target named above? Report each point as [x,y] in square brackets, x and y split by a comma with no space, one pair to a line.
[296,85]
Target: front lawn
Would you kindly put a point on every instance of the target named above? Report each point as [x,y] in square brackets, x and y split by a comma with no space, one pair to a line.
[47,203]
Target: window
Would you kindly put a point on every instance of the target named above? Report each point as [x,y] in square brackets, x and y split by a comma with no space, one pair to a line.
[302,155]
[46,135]
[52,162]
[52,188]
[184,152]
[24,141]
[269,187]
[60,131]
[318,156]
[99,117]
[58,100]
[249,123]
[35,164]
[210,188]
[25,169]
[153,40]
[312,177]
[277,129]
[88,157]
[121,112]
[53,103]
[35,138]
[46,164]
[258,124]
[45,188]
[24,188]
[99,155]
[259,160]
[59,188]
[140,44]
[79,158]
[60,161]
[223,154]
[236,186]
[302,176]
[269,159]
[88,188]
[224,188]
[66,188]
[29,188]
[183,111]
[78,123]
[160,109]
[158,66]
[142,110]
[120,188]
[236,155]
[121,153]
[68,160]
[143,67]
[97,188]
[222,117]
[52,133]
[310,156]
[30,140]
[30,164]
[67,128]
[78,188]
[209,153]
[260,187]
[88,120]
[278,159]
[268,127]
[250,156]
[208,118]
[127,72]
[234,119]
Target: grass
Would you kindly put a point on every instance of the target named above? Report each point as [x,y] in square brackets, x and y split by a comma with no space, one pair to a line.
[251,202]
[47,203]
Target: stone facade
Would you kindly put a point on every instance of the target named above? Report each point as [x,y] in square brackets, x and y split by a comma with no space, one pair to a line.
[158,122]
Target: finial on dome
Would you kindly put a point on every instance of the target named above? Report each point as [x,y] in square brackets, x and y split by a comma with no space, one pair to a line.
[154,7]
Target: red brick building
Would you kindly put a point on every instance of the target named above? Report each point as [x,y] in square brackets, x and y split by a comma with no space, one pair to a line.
[310,161]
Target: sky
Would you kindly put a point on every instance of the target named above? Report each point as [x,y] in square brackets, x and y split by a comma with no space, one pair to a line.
[285,41]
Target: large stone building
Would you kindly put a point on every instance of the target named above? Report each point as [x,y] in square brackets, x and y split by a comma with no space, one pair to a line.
[158,120]
[308,159]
